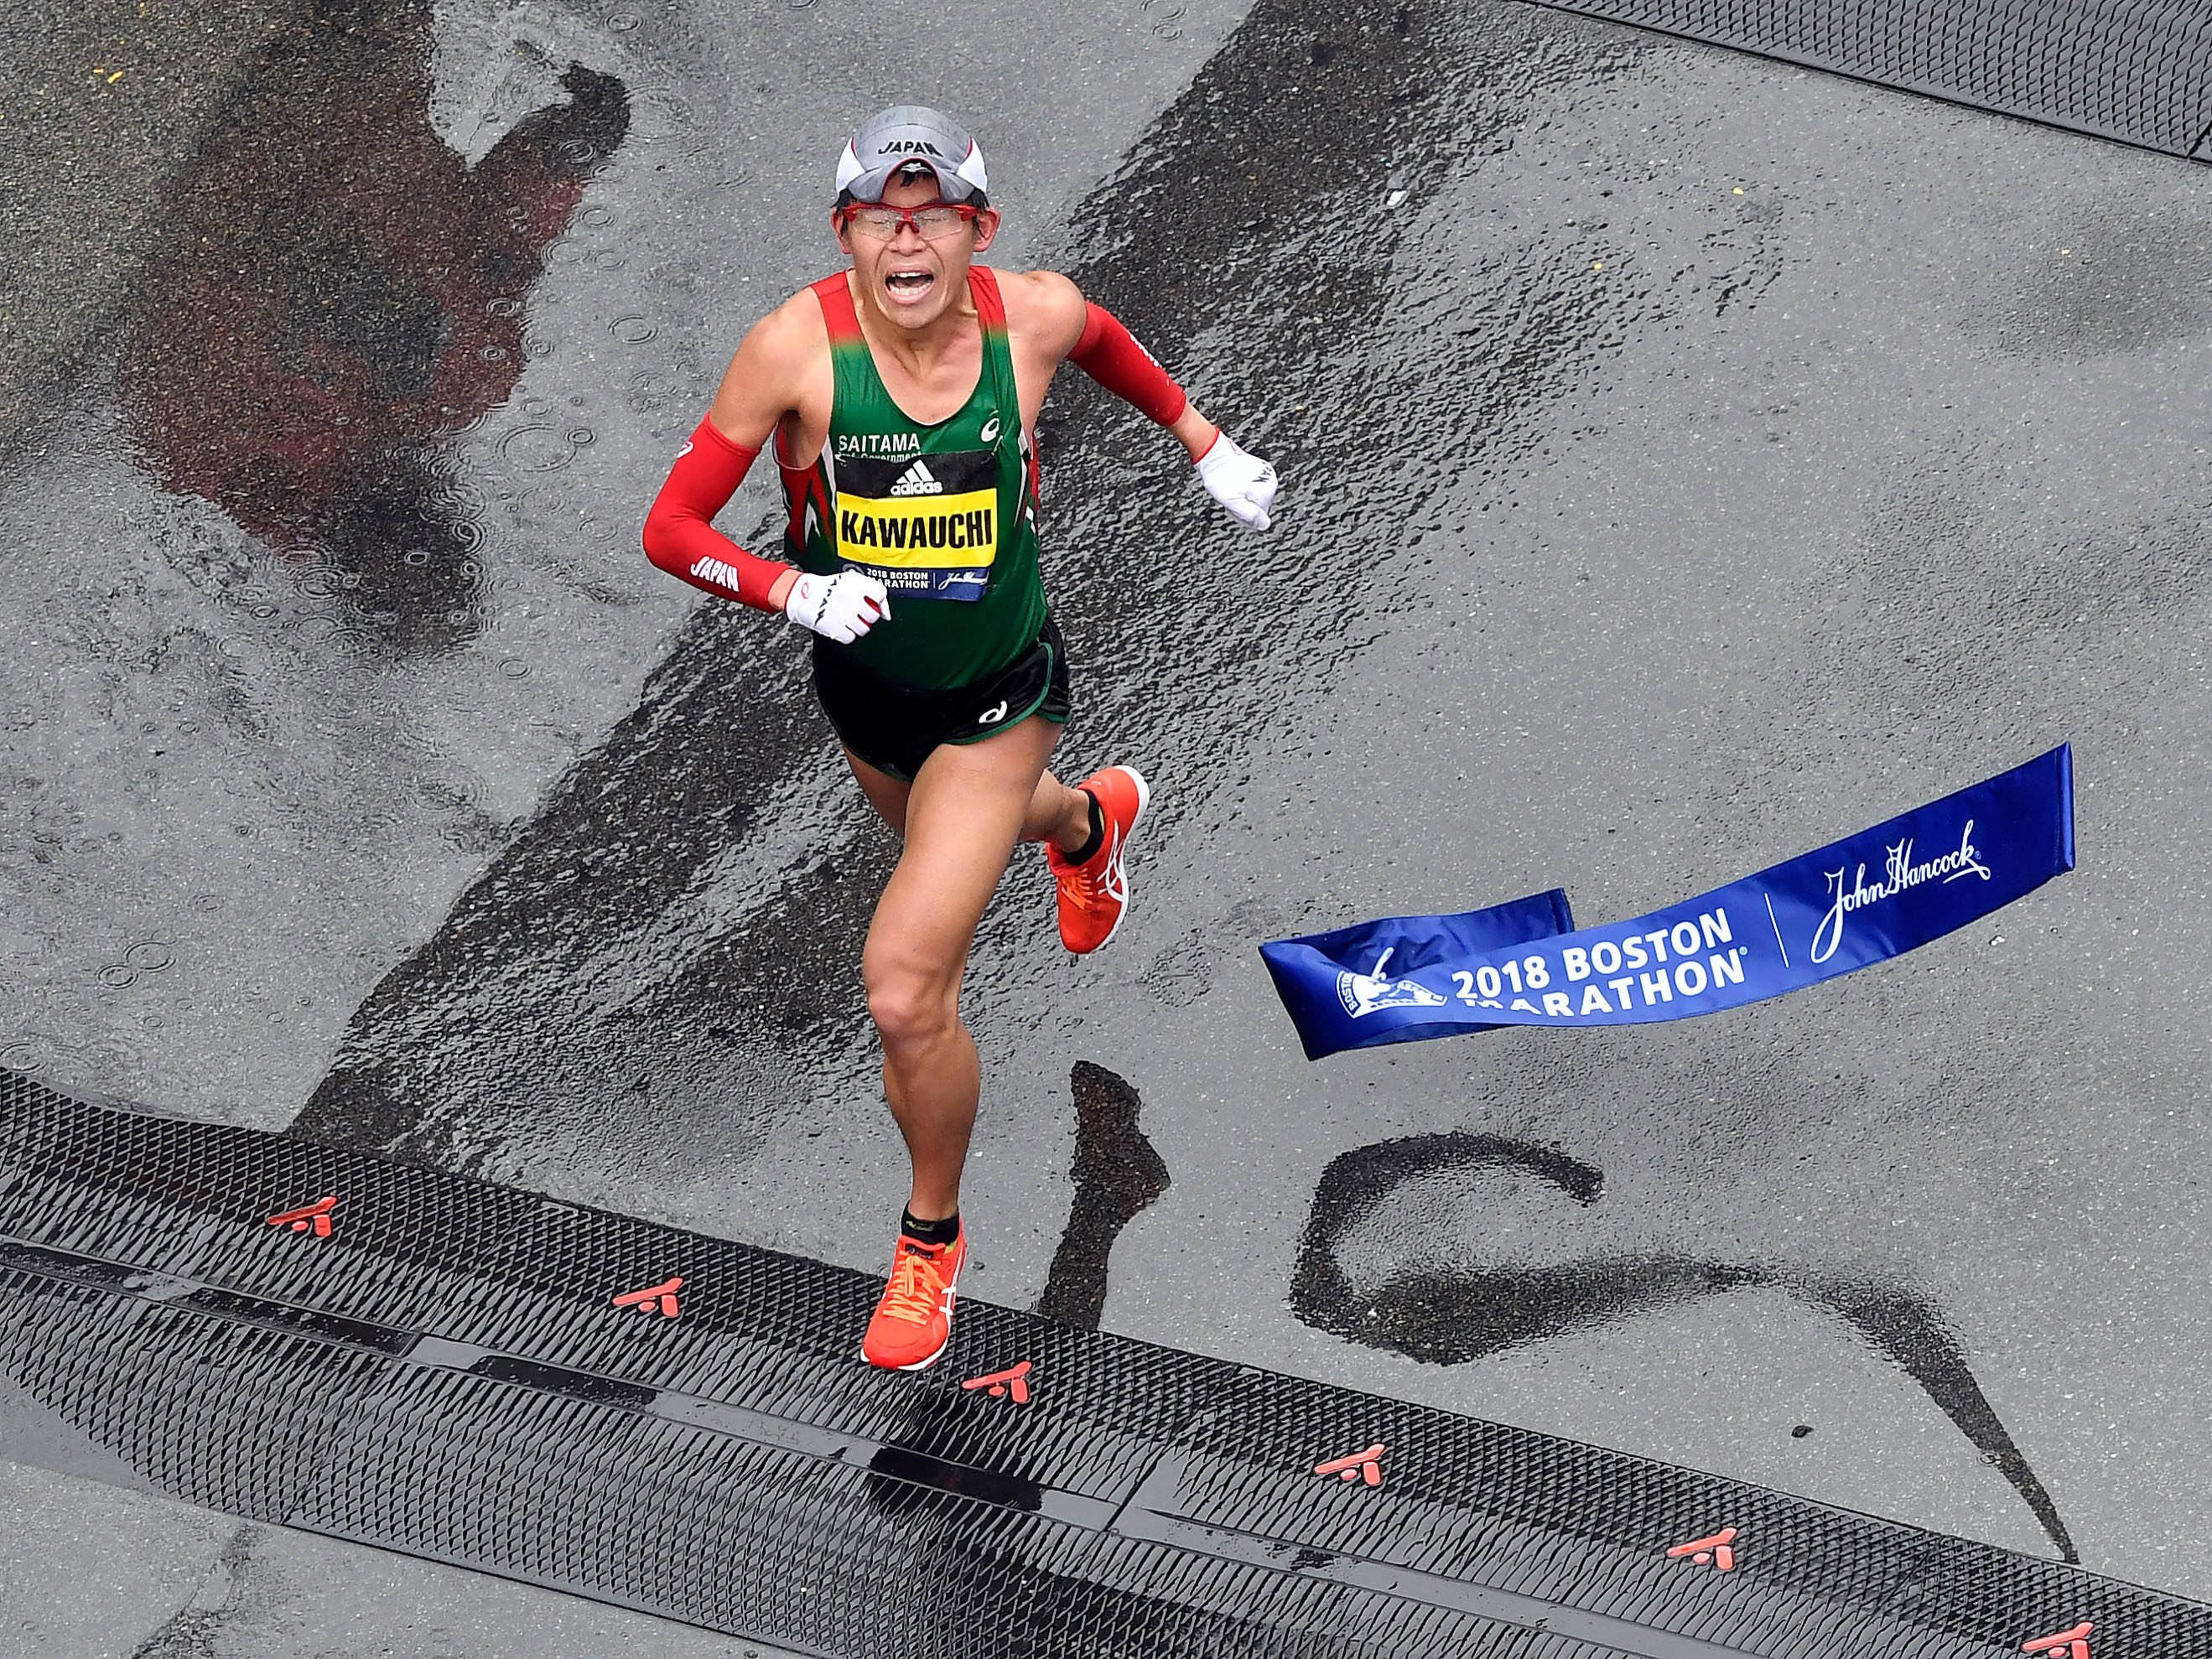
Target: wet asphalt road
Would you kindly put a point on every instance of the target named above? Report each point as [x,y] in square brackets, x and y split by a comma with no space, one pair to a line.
[1688,460]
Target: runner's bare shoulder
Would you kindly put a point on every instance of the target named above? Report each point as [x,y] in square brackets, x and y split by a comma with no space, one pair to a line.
[781,368]
[1045,310]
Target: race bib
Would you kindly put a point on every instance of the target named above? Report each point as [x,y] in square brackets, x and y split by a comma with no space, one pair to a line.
[927,527]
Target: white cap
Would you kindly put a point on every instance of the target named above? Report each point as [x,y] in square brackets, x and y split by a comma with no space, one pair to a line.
[903,136]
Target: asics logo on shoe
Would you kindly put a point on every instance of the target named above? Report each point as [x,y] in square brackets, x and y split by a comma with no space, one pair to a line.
[1112,880]
[992,716]
[918,480]
[990,432]
[1094,894]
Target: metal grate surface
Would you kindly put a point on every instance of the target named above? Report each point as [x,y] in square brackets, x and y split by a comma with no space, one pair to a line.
[447,1373]
[2136,70]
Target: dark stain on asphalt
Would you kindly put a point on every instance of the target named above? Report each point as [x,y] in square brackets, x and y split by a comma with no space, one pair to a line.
[1117,1174]
[616,845]
[1394,1298]
[340,291]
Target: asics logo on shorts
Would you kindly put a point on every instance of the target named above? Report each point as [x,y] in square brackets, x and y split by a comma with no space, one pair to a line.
[992,716]
[918,480]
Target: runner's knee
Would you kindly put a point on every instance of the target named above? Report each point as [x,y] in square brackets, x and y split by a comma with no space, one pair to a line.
[909,1007]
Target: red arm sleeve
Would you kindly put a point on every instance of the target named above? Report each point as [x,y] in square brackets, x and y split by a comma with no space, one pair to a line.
[1109,355]
[680,537]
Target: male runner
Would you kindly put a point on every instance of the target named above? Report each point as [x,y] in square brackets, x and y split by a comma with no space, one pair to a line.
[901,395]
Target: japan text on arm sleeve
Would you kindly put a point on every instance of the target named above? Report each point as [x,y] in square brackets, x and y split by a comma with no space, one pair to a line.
[680,537]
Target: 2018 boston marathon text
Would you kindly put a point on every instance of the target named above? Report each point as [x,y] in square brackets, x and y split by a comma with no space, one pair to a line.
[1687,960]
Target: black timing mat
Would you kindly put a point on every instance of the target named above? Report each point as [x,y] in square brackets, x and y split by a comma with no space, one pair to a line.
[648,1417]
[2138,70]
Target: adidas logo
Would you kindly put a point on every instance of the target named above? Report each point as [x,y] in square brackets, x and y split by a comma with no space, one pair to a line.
[918,480]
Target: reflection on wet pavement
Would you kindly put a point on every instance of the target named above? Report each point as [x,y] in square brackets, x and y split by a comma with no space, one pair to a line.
[546,1017]
[339,291]
[1384,1262]
[308,593]
[1117,1174]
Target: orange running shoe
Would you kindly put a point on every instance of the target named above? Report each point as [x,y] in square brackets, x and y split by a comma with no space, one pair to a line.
[1094,895]
[914,1321]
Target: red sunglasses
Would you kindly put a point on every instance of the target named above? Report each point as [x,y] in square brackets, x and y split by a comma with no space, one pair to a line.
[932,220]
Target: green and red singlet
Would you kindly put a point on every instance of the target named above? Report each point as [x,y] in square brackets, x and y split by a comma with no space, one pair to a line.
[944,513]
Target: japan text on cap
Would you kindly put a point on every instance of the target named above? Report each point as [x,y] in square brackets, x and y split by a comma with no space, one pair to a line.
[899,138]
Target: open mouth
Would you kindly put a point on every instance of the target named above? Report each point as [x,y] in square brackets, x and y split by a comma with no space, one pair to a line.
[909,285]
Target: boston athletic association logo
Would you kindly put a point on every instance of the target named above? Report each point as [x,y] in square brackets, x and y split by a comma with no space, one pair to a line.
[1364,993]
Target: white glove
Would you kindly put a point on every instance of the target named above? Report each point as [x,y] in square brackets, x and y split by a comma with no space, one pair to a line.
[841,607]
[1244,485]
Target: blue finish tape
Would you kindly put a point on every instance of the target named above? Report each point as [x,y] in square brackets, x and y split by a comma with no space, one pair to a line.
[1856,902]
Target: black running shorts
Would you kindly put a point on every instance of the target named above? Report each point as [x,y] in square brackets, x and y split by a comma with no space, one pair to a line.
[893,727]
